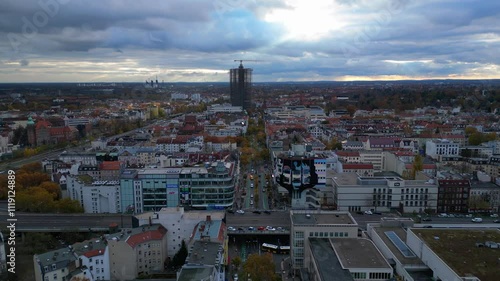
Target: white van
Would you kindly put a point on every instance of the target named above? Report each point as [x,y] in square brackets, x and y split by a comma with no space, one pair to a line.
[477,220]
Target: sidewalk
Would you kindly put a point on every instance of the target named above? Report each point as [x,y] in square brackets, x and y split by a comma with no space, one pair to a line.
[286,272]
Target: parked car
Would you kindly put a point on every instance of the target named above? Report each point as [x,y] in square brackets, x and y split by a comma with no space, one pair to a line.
[426,219]
[240,212]
[230,228]
[477,220]
[496,221]
[443,215]
[251,195]
[468,216]
[494,215]
[261,228]
[368,212]
[267,212]
[230,211]
[256,212]
[251,228]
[251,201]
[235,277]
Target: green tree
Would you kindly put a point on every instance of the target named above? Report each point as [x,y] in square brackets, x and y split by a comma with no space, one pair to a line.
[180,257]
[260,268]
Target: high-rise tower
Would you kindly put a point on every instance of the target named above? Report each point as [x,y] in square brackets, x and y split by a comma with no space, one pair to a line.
[241,86]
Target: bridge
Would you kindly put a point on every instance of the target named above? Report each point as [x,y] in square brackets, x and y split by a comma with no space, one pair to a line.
[33,222]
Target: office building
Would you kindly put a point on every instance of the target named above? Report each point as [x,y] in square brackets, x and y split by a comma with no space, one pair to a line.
[202,187]
[317,224]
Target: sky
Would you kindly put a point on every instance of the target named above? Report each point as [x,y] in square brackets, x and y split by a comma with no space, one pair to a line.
[282,40]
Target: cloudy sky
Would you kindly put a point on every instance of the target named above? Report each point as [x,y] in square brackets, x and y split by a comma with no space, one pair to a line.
[289,40]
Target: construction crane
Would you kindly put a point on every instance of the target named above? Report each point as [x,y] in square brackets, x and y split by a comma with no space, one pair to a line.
[241,61]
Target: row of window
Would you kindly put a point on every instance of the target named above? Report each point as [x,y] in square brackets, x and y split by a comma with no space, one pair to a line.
[328,234]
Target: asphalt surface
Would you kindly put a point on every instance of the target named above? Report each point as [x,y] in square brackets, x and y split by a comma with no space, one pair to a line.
[65,221]
[275,219]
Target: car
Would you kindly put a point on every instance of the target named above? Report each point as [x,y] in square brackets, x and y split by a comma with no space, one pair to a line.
[368,212]
[279,228]
[428,226]
[426,219]
[377,213]
[235,277]
[251,185]
[494,215]
[261,228]
[251,228]
[230,211]
[241,228]
[240,212]
[496,221]
[468,216]
[256,212]
[230,228]
[267,212]
[251,202]
[443,215]
[477,220]
[270,228]
[251,195]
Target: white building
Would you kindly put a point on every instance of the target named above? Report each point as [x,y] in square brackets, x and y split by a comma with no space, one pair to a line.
[437,148]
[317,224]
[354,193]
[59,265]
[94,255]
[375,157]
[180,224]
[224,108]
[96,197]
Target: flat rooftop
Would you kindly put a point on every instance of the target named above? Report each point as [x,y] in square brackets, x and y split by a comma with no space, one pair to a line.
[327,261]
[401,233]
[195,273]
[457,247]
[204,253]
[359,253]
[322,218]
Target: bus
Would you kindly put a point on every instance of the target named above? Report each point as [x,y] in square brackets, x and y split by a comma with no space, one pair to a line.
[270,248]
[284,250]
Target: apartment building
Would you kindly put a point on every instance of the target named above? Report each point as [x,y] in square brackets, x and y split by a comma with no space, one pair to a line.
[137,251]
[94,196]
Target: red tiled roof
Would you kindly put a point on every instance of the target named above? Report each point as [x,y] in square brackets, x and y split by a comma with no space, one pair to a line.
[110,165]
[146,236]
[94,253]
[351,166]
[347,153]
[42,123]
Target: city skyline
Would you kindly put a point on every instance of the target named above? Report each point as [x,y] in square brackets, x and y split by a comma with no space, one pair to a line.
[197,41]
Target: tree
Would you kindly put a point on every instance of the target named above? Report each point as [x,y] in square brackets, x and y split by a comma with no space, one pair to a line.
[180,257]
[31,167]
[68,206]
[417,166]
[478,202]
[260,268]
[52,187]
[236,262]
[35,199]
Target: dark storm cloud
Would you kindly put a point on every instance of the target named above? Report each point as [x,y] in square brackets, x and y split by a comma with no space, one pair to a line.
[380,37]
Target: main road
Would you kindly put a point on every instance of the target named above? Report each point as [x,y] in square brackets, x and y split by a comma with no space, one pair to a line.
[68,222]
